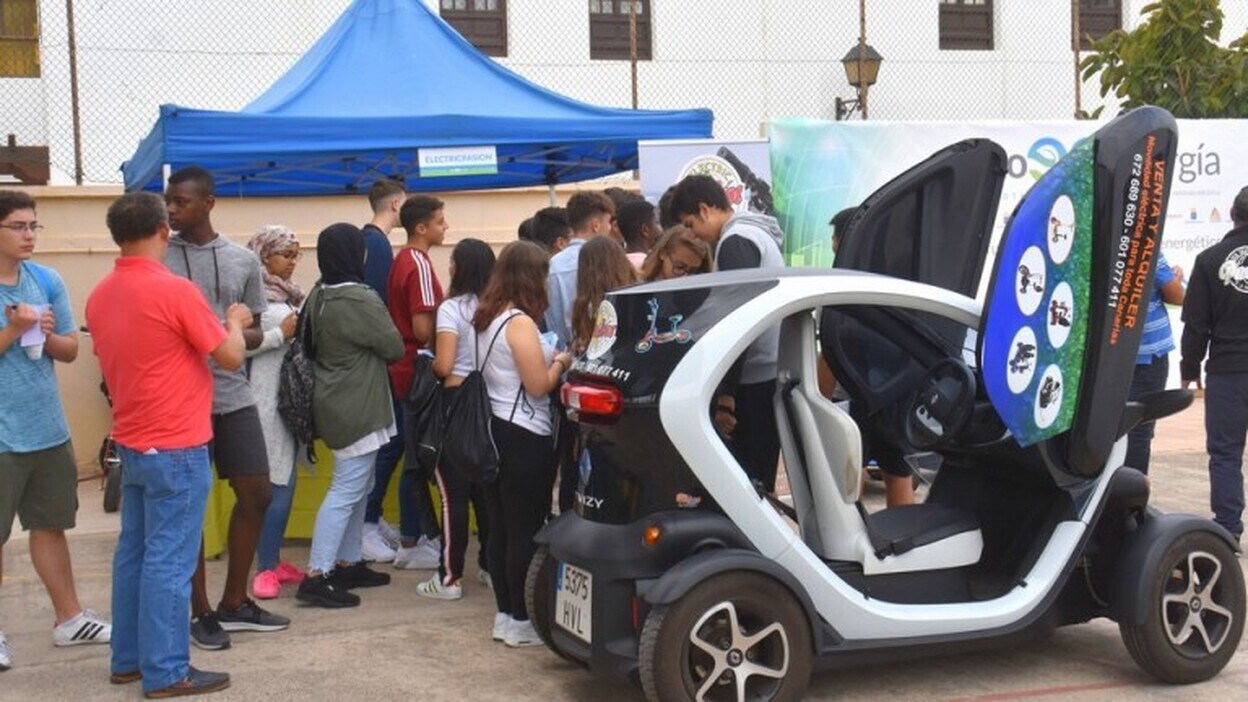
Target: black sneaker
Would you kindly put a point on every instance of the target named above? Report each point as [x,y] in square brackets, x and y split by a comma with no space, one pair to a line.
[250,617]
[206,633]
[357,575]
[320,591]
[198,682]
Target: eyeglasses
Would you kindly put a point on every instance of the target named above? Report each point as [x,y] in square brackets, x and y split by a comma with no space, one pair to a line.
[19,227]
[288,254]
[679,267]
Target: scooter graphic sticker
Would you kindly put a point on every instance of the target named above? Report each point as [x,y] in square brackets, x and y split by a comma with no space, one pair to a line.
[672,333]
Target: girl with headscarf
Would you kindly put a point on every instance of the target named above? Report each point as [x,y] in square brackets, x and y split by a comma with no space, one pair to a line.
[348,335]
[277,247]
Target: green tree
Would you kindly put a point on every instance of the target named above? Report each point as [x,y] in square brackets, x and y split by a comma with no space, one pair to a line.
[1173,60]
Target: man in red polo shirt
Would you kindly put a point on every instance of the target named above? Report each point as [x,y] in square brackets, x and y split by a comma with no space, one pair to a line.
[153,333]
[413,296]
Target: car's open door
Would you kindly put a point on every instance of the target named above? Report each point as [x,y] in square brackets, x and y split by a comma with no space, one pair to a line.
[931,224]
[1069,291]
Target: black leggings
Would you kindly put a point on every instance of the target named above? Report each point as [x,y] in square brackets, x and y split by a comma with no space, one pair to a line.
[518,503]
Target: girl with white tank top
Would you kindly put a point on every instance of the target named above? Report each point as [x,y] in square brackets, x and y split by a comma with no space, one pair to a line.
[520,372]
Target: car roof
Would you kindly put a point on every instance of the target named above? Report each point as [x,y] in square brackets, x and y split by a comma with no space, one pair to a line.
[737,277]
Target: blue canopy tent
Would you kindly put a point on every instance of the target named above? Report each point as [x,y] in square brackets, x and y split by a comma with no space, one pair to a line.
[387,81]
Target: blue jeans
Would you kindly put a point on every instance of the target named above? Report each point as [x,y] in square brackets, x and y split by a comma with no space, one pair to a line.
[164,495]
[387,458]
[1226,425]
[339,528]
[268,552]
[1148,378]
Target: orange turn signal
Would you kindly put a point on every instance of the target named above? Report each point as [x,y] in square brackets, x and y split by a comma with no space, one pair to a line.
[650,537]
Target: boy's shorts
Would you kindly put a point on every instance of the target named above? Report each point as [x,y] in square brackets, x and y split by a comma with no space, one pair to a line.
[237,446]
[40,488]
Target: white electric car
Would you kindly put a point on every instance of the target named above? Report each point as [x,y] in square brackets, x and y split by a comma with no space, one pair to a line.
[676,572]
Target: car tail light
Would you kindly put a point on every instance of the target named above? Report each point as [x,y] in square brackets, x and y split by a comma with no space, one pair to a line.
[594,404]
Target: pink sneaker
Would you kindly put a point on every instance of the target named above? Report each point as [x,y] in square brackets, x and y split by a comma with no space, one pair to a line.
[288,574]
[266,585]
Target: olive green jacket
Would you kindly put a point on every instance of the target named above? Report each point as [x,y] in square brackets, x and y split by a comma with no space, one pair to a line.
[354,341]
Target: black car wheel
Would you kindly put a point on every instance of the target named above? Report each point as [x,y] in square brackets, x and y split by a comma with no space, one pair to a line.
[1196,618]
[736,636]
[538,591]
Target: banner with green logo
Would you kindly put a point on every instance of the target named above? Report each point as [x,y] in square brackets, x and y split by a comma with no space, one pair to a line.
[819,168]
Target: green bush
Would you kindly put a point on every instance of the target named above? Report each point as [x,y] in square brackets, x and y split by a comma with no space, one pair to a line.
[1173,60]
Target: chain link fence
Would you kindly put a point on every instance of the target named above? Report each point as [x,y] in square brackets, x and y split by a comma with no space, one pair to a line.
[748,61]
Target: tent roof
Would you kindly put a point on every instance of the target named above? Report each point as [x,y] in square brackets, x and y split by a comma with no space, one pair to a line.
[389,78]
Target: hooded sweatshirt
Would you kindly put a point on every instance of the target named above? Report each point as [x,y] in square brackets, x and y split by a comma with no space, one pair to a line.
[752,240]
[226,273]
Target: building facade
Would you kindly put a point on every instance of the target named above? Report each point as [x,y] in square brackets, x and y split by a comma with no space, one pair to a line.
[748,61]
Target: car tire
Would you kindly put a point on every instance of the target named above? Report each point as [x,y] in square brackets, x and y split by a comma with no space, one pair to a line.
[772,636]
[538,586]
[1195,611]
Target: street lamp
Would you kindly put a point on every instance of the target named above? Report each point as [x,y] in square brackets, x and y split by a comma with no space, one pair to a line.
[861,72]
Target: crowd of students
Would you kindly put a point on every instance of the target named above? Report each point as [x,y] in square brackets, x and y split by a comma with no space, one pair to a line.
[196,375]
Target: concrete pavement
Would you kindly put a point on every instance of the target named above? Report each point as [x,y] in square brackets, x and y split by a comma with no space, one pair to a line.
[398,645]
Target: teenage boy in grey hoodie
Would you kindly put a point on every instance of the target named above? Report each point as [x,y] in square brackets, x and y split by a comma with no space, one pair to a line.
[226,273]
[743,409]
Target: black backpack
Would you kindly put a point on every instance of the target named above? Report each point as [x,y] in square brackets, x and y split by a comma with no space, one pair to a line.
[467,440]
[423,413]
[294,389]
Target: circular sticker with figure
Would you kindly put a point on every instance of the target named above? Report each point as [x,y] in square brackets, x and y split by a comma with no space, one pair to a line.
[1061,230]
[1061,314]
[1029,280]
[606,323]
[1022,365]
[1049,397]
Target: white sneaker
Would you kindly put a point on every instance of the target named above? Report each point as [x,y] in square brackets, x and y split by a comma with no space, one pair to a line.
[374,546]
[86,627]
[434,589]
[521,634]
[502,622]
[389,533]
[425,555]
[6,656]
[483,577]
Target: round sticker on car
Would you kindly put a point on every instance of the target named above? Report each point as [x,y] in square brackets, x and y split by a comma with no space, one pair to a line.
[605,325]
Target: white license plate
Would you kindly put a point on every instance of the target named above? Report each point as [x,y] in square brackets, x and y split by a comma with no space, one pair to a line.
[574,601]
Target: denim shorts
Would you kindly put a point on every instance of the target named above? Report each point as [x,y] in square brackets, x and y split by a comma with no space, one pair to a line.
[40,488]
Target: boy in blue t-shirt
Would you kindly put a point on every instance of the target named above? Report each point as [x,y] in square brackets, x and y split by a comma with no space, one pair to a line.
[38,473]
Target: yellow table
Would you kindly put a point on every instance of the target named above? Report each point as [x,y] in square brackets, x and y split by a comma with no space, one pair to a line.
[309,493]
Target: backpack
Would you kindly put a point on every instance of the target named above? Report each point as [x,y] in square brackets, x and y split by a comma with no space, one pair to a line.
[294,390]
[422,417]
[468,441]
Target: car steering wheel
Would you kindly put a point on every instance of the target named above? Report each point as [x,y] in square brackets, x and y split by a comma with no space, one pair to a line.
[943,405]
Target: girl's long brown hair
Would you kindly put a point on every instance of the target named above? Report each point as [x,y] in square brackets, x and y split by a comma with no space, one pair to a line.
[602,267]
[518,280]
[652,267]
